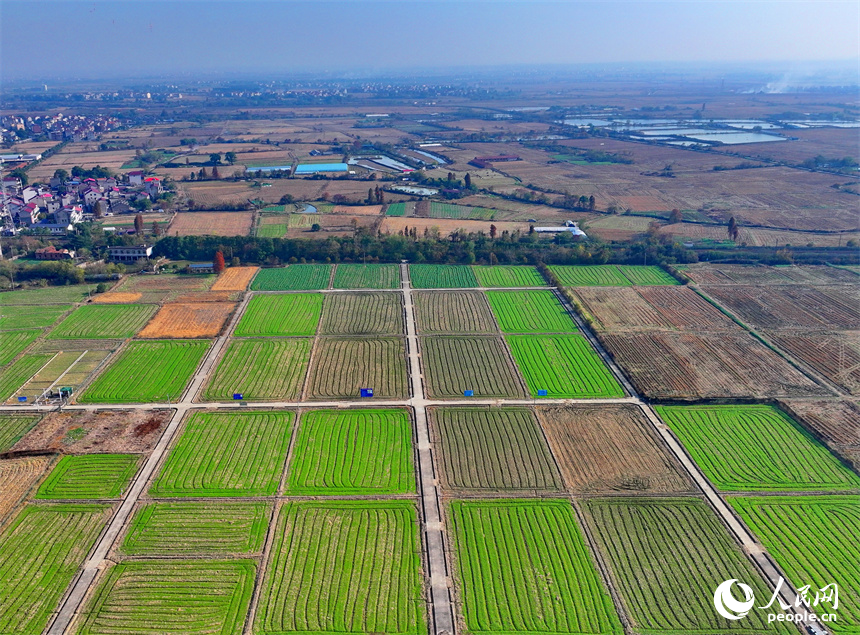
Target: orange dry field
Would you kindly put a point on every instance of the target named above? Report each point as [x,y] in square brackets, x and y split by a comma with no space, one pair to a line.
[204,319]
[211,224]
[17,478]
[204,296]
[395,224]
[117,297]
[235,279]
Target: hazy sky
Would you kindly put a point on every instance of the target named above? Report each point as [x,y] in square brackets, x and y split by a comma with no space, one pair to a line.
[132,38]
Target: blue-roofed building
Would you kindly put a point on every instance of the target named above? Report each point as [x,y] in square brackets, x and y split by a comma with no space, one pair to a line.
[313,168]
[201,267]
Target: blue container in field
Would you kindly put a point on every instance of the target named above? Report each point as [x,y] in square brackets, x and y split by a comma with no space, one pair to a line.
[238,396]
[542,393]
[367,392]
[469,393]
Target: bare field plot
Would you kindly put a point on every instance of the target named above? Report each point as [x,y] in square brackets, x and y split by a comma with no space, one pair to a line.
[494,449]
[610,449]
[453,365]
[103,321]
[260,369]
[761,275]
[834,355]
[157,288]
[235,279]
[453,312]
[211,224]
[837,423]
[341,367]
[202,319]
[117,297]
[273,315]
[446,226]
[358,210]
[530,311]
[362,313]
[293,278]
[18,479]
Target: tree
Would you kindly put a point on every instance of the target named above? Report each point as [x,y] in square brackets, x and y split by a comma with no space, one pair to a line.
[468,181]
[230,157]
[732,230]
[20,175]
[142,204]
[215,158]
[676,216]
[155,229]
[203,174]
[138,224]
[493,231]
[218,262]
[62,175]
[315,227]
[215,174]
[370,196]
[591,202]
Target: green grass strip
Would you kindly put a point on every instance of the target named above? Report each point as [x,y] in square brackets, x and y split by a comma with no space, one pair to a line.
[261,369]
[646,276]
[24,317]
[589,276]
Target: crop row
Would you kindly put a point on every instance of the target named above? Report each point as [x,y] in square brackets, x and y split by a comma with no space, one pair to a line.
[281,315]
[13,342]
[453,365]
[13,426]
[24,317]
[260,370]
[508,276]
[532,311]
[293,278]
[453,312]
[363,276]
[362,313]
[343,366]
[442,276]
[93,321]
[610,275]
[89,476]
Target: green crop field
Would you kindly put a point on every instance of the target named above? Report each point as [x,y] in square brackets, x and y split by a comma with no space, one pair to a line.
[194,528]
[48,295]
[453,365]
[589,276]
[508,276]
[303,221]
[564,365]
[90,476]
[180,597]
[646,276]
[40,552]
[24,317]
[261,370]
[342,367]
[367,277]
[227,454]
[396,209]
[342,452]
[453,312]
[531,311]
[97,321]
[13,342]
[147,371]
[814,541]
[273,230]
[13,427]
[524,568]
[292,278]
[281,315]
[442,276]
[14,376]
[362,313]
[665,557]
[374,586]
[493,449]
[756,448]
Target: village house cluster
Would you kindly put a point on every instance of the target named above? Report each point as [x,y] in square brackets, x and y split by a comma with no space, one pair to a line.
[59,127]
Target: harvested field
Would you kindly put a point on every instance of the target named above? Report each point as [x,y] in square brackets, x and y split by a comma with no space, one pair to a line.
[165,286]
[453,365]
[97,431]
[442,276]
[837,423]
[136,597]
[358,210]
[40,552]
[227,454]
[131,378]
[14,376]
[206,296]
[447,226]
[194,528]
[508,276]
[610,449]
[689,554]
[24,317]
[13,342]
[117,297]
[13,426]
[260,370]
[685,309]
[90,476]
[235,279]
[18,478]
[492,449]
[530,311]
[756,448]
[363,313]
[834,355]
[366,277]
[374,586]
[49,295]
[181,321]
[272,315]
[293,278]
[453,312]
[342,366]
[523,567]
[94,321]
[761,275]
[211,224]
[701,366]
[564,365]
[349,452]
[793,530]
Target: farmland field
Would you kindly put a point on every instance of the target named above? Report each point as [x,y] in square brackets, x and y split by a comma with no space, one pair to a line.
[564,365]
[201,319]
[235,279]
[508,276]
[273,230]
[314,584]
[285,314]
[211,224]
[396,209]
[131,378]
[366,277]
[39,555]
[74,367]
[453,365]
[609,449]
[17,478]
[293,278]
[13,342]
[362,313]
[342,366]
[168,528]
[834,355]
[530,311]
[23,316]
[345,452]
[14,376]
[13,426]
[646,276]
[836,422]
[93,321]
[759,275]
[453,312]
[261,370]
[89,476]
[814,541]
[688,554]
[162,287]
[48,295]
[442,276]
[493,449]
[523,567]
[180,597]
[227,454]
[589,276]
[756,448]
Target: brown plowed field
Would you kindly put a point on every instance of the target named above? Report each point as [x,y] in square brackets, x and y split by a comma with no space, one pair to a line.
[453,312]
[17,478]
[703,273]
[211,224]
[834,355]
[205,296]
[688,366]
[358,210]
[235,279]
[838,422]
[204,319]
[114,297]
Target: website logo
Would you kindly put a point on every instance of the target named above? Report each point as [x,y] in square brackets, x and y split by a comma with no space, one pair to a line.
[727,605]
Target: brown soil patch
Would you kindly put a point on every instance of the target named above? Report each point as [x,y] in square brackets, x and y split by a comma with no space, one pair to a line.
[211,224]
[18,478]
[446,226]
[203,319]
[834,355]
[92,432]
[235,279]
[358,210]
[117,297]
[204,296]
